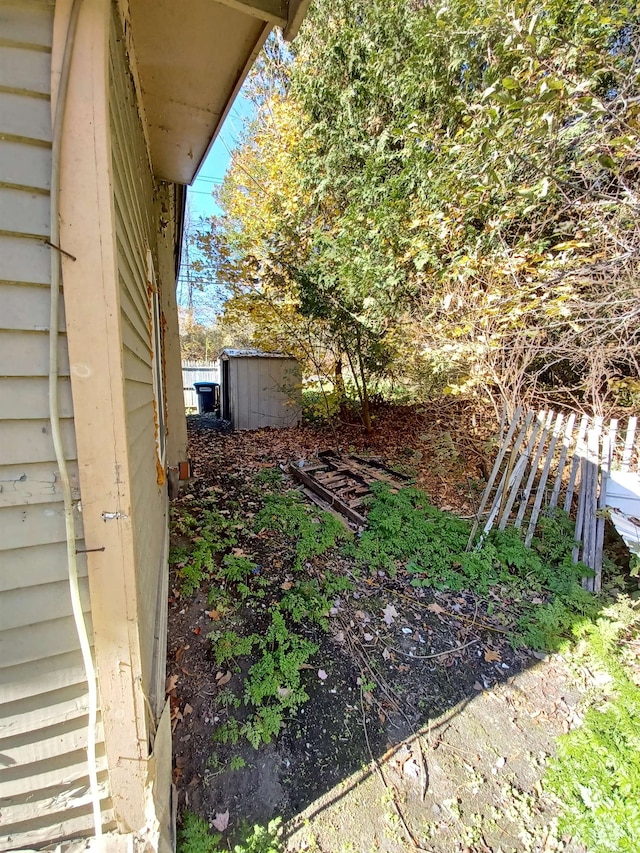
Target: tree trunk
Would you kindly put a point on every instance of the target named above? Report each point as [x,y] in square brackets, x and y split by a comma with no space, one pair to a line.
[366,411]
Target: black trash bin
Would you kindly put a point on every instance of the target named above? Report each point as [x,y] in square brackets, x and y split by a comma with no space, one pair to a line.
[208,396]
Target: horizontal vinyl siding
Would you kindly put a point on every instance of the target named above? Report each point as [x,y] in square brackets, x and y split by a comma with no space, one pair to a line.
[136,229]
[43,692]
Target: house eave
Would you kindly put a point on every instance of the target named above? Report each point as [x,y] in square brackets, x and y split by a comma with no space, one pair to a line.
[191,60]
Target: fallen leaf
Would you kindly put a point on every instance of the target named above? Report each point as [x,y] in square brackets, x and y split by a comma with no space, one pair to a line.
[221,821]
[214,614]
[170,684]
[179,653]
[223,678]
[286,585]
[435,608]
[197,630]
[187,710]
[386,654]
[490,656]
[322,675]
[389,614]
[283,692]
[368,637]
[477,685]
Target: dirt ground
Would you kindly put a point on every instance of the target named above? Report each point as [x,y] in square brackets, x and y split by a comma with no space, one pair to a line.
[424,730]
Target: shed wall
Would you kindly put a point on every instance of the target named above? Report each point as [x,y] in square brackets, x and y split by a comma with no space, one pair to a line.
[43,695]
[136,234]
[264,392]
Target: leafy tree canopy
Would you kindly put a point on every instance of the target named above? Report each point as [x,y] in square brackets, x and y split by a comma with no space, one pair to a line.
[458,180]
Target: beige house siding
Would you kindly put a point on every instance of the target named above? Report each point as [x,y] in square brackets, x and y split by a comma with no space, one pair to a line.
[43,696]
[136,219]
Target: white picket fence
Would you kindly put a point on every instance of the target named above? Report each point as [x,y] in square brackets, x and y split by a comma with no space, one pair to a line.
[589,468]
[197,371]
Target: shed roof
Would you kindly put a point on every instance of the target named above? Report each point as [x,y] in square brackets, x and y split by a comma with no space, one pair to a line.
[253,353]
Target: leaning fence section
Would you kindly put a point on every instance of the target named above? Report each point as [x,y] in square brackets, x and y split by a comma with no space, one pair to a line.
[197,371]
[586,466]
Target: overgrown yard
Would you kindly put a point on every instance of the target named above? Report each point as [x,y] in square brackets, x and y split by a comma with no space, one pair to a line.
[389,691]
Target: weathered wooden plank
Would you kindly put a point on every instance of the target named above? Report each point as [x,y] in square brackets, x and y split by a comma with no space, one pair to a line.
[331,499]
[608,441]
[502,493]
[376,465]
[627,453]
[520,470]
[534,469]
[591,499]
[566,442]
[580,514]
[511,472]
[495,471]
[319,502]
[537,504]
[575,462]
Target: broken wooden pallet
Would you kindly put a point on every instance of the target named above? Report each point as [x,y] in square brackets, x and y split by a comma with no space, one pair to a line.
[343,483]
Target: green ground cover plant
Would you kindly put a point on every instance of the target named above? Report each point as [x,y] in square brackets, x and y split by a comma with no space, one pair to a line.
[208,535]
[194,837]
[405,531]
[596,773]
[312,532]
[272,661]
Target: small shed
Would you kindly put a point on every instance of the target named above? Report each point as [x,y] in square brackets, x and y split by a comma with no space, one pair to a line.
[260,389]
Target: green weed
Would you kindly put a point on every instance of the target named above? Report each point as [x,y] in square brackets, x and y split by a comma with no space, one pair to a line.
[195,837]
[596,773]
[313,532]
[273,684]
[269,477]
[210,535]
[406,531]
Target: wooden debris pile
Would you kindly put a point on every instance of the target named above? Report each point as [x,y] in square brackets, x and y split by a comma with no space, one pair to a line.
[548,460]
[342,483]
